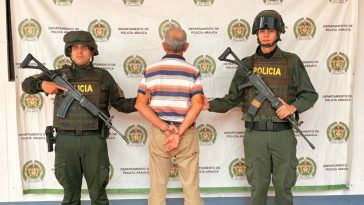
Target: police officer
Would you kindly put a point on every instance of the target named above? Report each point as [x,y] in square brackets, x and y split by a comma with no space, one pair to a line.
[81,147]
[269,142]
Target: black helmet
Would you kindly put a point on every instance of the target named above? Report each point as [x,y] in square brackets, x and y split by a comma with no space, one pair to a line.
[268,19]
[79,37]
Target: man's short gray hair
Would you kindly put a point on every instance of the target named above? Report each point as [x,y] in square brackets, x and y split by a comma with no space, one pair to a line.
[173,42]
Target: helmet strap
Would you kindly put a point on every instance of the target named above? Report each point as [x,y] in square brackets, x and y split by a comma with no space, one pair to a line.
[74,64]
[269,44]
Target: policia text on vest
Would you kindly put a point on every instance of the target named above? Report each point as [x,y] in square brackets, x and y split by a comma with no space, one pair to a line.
[264,93]
[71,95]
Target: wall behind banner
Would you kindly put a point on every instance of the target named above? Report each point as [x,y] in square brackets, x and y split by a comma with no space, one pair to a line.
[14,183]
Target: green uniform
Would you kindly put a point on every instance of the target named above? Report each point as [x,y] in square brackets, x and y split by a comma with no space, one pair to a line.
[80,147]
[269,143]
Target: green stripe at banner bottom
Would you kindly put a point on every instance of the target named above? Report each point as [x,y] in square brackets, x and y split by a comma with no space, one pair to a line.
[178,190]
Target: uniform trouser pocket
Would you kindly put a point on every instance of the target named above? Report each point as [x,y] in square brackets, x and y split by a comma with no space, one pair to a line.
[66,176]
[62,175]
[97,188]
[291,175]
[103,176]
[70,183]
[249,171]
[96,169]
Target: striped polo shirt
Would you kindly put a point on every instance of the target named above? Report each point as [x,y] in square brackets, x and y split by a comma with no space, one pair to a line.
[172,83]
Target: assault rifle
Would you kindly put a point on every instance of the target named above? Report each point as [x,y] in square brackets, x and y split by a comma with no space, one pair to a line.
[264,93]
[71,95]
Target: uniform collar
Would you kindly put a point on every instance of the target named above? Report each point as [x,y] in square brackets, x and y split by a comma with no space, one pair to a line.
[75,66]
[81,69]
[277,52]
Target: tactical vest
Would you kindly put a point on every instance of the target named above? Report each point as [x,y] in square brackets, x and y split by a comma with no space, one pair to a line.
[78,118]
[276,73]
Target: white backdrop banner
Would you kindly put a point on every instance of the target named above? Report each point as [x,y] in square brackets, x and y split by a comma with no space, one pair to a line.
[129,35]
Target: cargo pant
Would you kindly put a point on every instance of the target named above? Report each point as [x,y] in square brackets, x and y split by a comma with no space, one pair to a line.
[76,156]
[187,162]
[271,154]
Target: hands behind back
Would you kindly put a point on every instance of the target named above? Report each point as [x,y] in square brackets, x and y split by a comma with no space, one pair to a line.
[173,138]
[172,141]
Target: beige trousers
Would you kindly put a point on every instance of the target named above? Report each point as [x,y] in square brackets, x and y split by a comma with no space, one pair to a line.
[187,162]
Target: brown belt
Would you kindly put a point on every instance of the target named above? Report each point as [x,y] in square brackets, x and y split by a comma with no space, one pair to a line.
[268,126]
[177,124]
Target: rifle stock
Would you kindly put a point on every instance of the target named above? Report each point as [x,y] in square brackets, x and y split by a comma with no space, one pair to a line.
[71,95]
[263,90]
[26,61]
[223,56]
